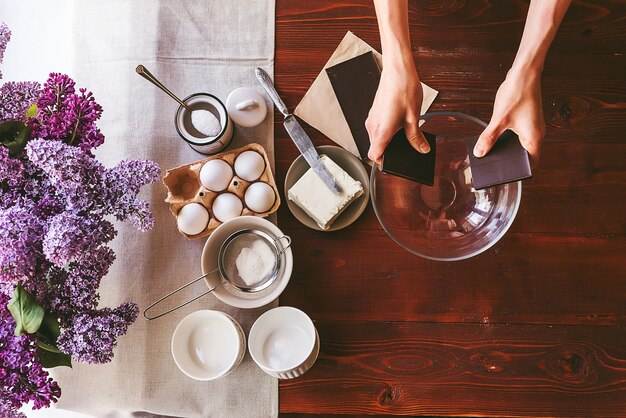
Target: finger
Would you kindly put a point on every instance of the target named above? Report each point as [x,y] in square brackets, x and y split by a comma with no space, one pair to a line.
[376,151]
[416,138]
[379,139]
[487,138]
[532,144]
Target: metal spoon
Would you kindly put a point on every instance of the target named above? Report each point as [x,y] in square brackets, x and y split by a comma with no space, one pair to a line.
[142,71]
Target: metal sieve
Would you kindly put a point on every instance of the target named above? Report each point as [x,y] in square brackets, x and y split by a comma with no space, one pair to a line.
[246,245]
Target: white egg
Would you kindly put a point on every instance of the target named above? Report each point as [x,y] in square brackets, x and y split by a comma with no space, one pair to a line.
[249,165]
[260,197]
[216,175]
[192,218]
[227,206]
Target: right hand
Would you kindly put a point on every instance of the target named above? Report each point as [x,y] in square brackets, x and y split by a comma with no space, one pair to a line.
[397,105]
[517,107]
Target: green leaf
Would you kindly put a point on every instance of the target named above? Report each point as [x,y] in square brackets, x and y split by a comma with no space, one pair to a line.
[48,333]
[32,111]
[49,329]
[28,314]
[50,359]
[14,135]
[48,347]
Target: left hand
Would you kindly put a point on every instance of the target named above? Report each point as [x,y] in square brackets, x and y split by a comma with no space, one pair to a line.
[517,107]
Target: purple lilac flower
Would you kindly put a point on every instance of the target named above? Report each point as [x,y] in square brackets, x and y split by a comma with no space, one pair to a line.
[5,36]
[11,179]
[15,99]
[11,170]
[70,236]
[92,336]
[124,182]
[88,186]
[66,115]
[71,171]
[75,288]
[22,378]
[21,253]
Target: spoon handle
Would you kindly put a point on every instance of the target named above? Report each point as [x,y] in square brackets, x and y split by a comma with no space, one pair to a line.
[143,71]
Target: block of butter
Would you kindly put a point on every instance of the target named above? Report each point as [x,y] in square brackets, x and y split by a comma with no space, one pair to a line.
[321,204]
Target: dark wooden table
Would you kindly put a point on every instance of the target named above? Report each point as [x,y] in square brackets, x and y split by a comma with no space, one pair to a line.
[532,327]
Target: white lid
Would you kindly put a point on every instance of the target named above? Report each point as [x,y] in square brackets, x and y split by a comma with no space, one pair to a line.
[246,107]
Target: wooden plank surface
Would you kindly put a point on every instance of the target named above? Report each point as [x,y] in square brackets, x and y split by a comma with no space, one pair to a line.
[532,327]
[465,369]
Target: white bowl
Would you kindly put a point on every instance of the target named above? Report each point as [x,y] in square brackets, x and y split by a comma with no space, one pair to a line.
[207,345]
[283,342]
[209,262]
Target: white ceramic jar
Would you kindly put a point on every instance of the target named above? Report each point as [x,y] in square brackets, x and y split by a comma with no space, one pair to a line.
[196,140]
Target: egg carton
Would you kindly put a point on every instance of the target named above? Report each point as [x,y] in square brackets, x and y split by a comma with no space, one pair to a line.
[184,187]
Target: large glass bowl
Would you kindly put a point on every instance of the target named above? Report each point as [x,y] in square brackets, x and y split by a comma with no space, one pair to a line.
[450,220]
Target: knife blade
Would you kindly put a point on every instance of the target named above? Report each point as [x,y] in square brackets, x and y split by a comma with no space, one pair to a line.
[297,134]
[308,151]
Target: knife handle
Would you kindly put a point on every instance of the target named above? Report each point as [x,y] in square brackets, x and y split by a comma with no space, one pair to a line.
[267,84]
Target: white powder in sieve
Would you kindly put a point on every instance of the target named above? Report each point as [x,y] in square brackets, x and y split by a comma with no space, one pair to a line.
[205,122]
[255,263]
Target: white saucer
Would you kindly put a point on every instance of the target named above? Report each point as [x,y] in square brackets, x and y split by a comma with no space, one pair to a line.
[210,254]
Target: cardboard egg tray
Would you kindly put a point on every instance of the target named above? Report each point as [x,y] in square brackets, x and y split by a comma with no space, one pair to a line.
[183,187]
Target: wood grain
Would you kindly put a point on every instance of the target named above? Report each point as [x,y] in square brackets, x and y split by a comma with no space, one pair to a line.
[462,369]
[533,326]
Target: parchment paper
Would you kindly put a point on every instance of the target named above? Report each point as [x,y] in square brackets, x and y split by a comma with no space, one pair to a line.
[319,106]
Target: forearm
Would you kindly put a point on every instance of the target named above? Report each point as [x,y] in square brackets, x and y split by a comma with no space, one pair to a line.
[393,25]
[542,22]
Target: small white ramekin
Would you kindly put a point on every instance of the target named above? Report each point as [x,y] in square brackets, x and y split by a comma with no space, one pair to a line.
[283,342]
[207,345]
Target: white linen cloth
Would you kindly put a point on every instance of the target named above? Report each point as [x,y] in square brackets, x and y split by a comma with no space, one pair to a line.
[191,46]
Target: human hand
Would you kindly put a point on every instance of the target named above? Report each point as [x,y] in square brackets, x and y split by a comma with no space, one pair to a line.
[397,105]
[517,107]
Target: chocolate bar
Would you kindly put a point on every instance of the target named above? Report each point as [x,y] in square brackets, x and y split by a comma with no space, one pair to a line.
[355,82]
[506,162]
[401,159]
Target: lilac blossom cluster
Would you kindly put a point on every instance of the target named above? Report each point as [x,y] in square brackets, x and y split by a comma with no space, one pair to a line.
[15,97]
[66,115]
[5,37]
[54,241]
[22,378]
[55,201]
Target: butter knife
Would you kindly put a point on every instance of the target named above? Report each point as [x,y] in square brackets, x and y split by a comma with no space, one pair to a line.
[297,134]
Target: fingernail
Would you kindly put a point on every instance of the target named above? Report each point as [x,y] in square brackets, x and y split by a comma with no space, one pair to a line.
[424,147]
[478,151]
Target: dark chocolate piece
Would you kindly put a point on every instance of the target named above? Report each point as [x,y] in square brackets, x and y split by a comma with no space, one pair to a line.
[355,82]
[401,159]
[506,162]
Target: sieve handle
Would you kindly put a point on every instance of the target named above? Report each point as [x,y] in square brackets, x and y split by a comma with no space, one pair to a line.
[145,312]
[286,238]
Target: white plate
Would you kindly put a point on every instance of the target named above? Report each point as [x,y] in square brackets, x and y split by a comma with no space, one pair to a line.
[211,250]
